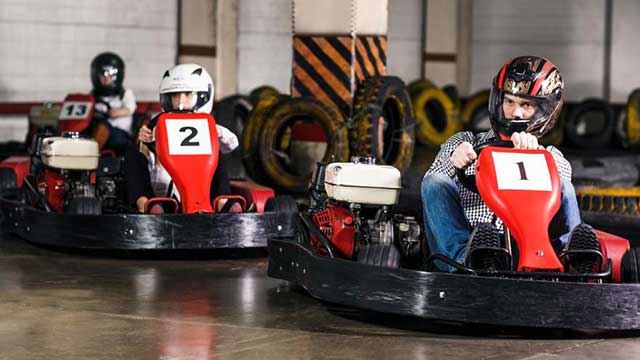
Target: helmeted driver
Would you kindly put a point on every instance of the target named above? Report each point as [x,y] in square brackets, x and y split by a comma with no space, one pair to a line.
[115,105]
[183,88]
[525,102]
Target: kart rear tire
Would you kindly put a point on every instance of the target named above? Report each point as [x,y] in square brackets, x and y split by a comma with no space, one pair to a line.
[282,204]
[386,97]
[379,255]
[8,179]
[84,205]
[631,266]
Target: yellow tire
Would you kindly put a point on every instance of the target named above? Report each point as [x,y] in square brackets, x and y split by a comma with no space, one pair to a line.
[437,115]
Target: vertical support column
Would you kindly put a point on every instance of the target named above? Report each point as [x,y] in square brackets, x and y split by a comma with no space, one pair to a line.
[336,45]
[227,54]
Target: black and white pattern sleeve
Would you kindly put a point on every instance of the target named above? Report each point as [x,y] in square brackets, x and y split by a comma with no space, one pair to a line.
[442,163]
[563,165]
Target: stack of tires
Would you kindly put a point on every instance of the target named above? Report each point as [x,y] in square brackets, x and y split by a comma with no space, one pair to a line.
[283,137]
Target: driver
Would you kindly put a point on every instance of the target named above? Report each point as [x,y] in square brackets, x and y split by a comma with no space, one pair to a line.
[526,99]
[184,87]
[115,105]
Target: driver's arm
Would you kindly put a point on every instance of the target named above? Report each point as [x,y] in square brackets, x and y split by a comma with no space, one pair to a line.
[442,163]
[563,165]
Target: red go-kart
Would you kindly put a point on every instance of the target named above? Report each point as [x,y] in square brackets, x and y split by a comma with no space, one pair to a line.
[356,250]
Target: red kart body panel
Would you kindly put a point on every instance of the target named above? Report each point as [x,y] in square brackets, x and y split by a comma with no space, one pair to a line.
[187,147]
[253,193]
[20,165]
[76,113]
[613,247]
[522,187]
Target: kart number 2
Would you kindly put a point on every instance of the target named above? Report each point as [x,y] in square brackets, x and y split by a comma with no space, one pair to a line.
[188,136]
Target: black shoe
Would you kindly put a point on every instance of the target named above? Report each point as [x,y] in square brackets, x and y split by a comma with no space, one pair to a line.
[582,251]
[483,248]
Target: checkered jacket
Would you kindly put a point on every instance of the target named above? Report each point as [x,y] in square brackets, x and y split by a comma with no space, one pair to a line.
[475,209]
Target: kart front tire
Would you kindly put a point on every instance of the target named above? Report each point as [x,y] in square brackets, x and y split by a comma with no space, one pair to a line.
[8,179]
[281,204]
[630,266]
[380,255]
[83,205]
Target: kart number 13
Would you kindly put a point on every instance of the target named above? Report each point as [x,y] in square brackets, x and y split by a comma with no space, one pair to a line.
[74,110]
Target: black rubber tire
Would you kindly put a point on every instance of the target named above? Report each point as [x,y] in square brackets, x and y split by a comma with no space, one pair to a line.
[630,127]
[453,94]
[282,204]
[233,113]
[84,206]
[386,97]
[280,117]
[261,92]
[631,266]
[8,179]
[250,137]
[555,136]
[379,255]
[577,116]
[475,112]
[437,114]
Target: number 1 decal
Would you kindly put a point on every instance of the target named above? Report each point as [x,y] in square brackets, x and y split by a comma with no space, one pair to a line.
[523,172]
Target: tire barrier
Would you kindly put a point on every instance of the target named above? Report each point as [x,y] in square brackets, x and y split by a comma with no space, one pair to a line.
[233,113]
[605,172]
[475,113]
[615,201]
[251,136]
[383,124]
[437,115]
[276,151]
[261,92]
[453,94]
[590,124]
[631,121]
[555,136]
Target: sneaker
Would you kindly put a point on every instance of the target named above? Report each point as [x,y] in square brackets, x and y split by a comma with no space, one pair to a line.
[583,250]
[483,248]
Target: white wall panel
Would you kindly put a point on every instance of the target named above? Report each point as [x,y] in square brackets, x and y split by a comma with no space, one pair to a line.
[48,45]
[264,44]
[569,33]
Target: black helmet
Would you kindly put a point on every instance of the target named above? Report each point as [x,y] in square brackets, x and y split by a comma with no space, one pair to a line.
[107,64]
[535,79]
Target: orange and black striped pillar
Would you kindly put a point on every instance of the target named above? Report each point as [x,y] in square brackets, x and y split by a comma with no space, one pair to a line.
[336,45]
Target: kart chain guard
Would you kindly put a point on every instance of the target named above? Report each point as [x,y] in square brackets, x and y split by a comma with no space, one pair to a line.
[187,147]
[522,187]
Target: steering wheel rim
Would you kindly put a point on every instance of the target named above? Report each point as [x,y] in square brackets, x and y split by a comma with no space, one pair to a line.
[469,181]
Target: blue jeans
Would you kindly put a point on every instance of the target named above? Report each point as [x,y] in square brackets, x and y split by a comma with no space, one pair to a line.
[447,228]
[118,139]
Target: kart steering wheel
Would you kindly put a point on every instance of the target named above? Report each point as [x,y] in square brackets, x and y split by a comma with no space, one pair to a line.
[469,181]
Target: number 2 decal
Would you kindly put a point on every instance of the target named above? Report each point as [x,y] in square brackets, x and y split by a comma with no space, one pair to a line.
[187,141]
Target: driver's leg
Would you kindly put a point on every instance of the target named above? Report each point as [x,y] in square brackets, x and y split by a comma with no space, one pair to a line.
[446,226]
[569,208]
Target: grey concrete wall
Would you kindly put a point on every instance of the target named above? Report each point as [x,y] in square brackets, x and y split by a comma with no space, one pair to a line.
[625,58]
[47,46]
[264,44]
[570,33]
[404,58]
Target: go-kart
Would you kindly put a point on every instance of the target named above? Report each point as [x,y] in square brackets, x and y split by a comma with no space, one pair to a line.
[353,249]
[73,198]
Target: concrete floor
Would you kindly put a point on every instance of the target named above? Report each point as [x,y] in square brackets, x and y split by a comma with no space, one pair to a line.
[63,306]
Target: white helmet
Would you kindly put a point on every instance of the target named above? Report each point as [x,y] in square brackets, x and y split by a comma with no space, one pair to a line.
[187,78]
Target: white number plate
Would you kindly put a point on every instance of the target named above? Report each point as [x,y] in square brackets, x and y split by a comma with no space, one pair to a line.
[75,110]
[188,137]
[518,171]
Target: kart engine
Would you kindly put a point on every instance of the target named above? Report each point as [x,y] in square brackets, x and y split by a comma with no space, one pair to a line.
[351,205]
